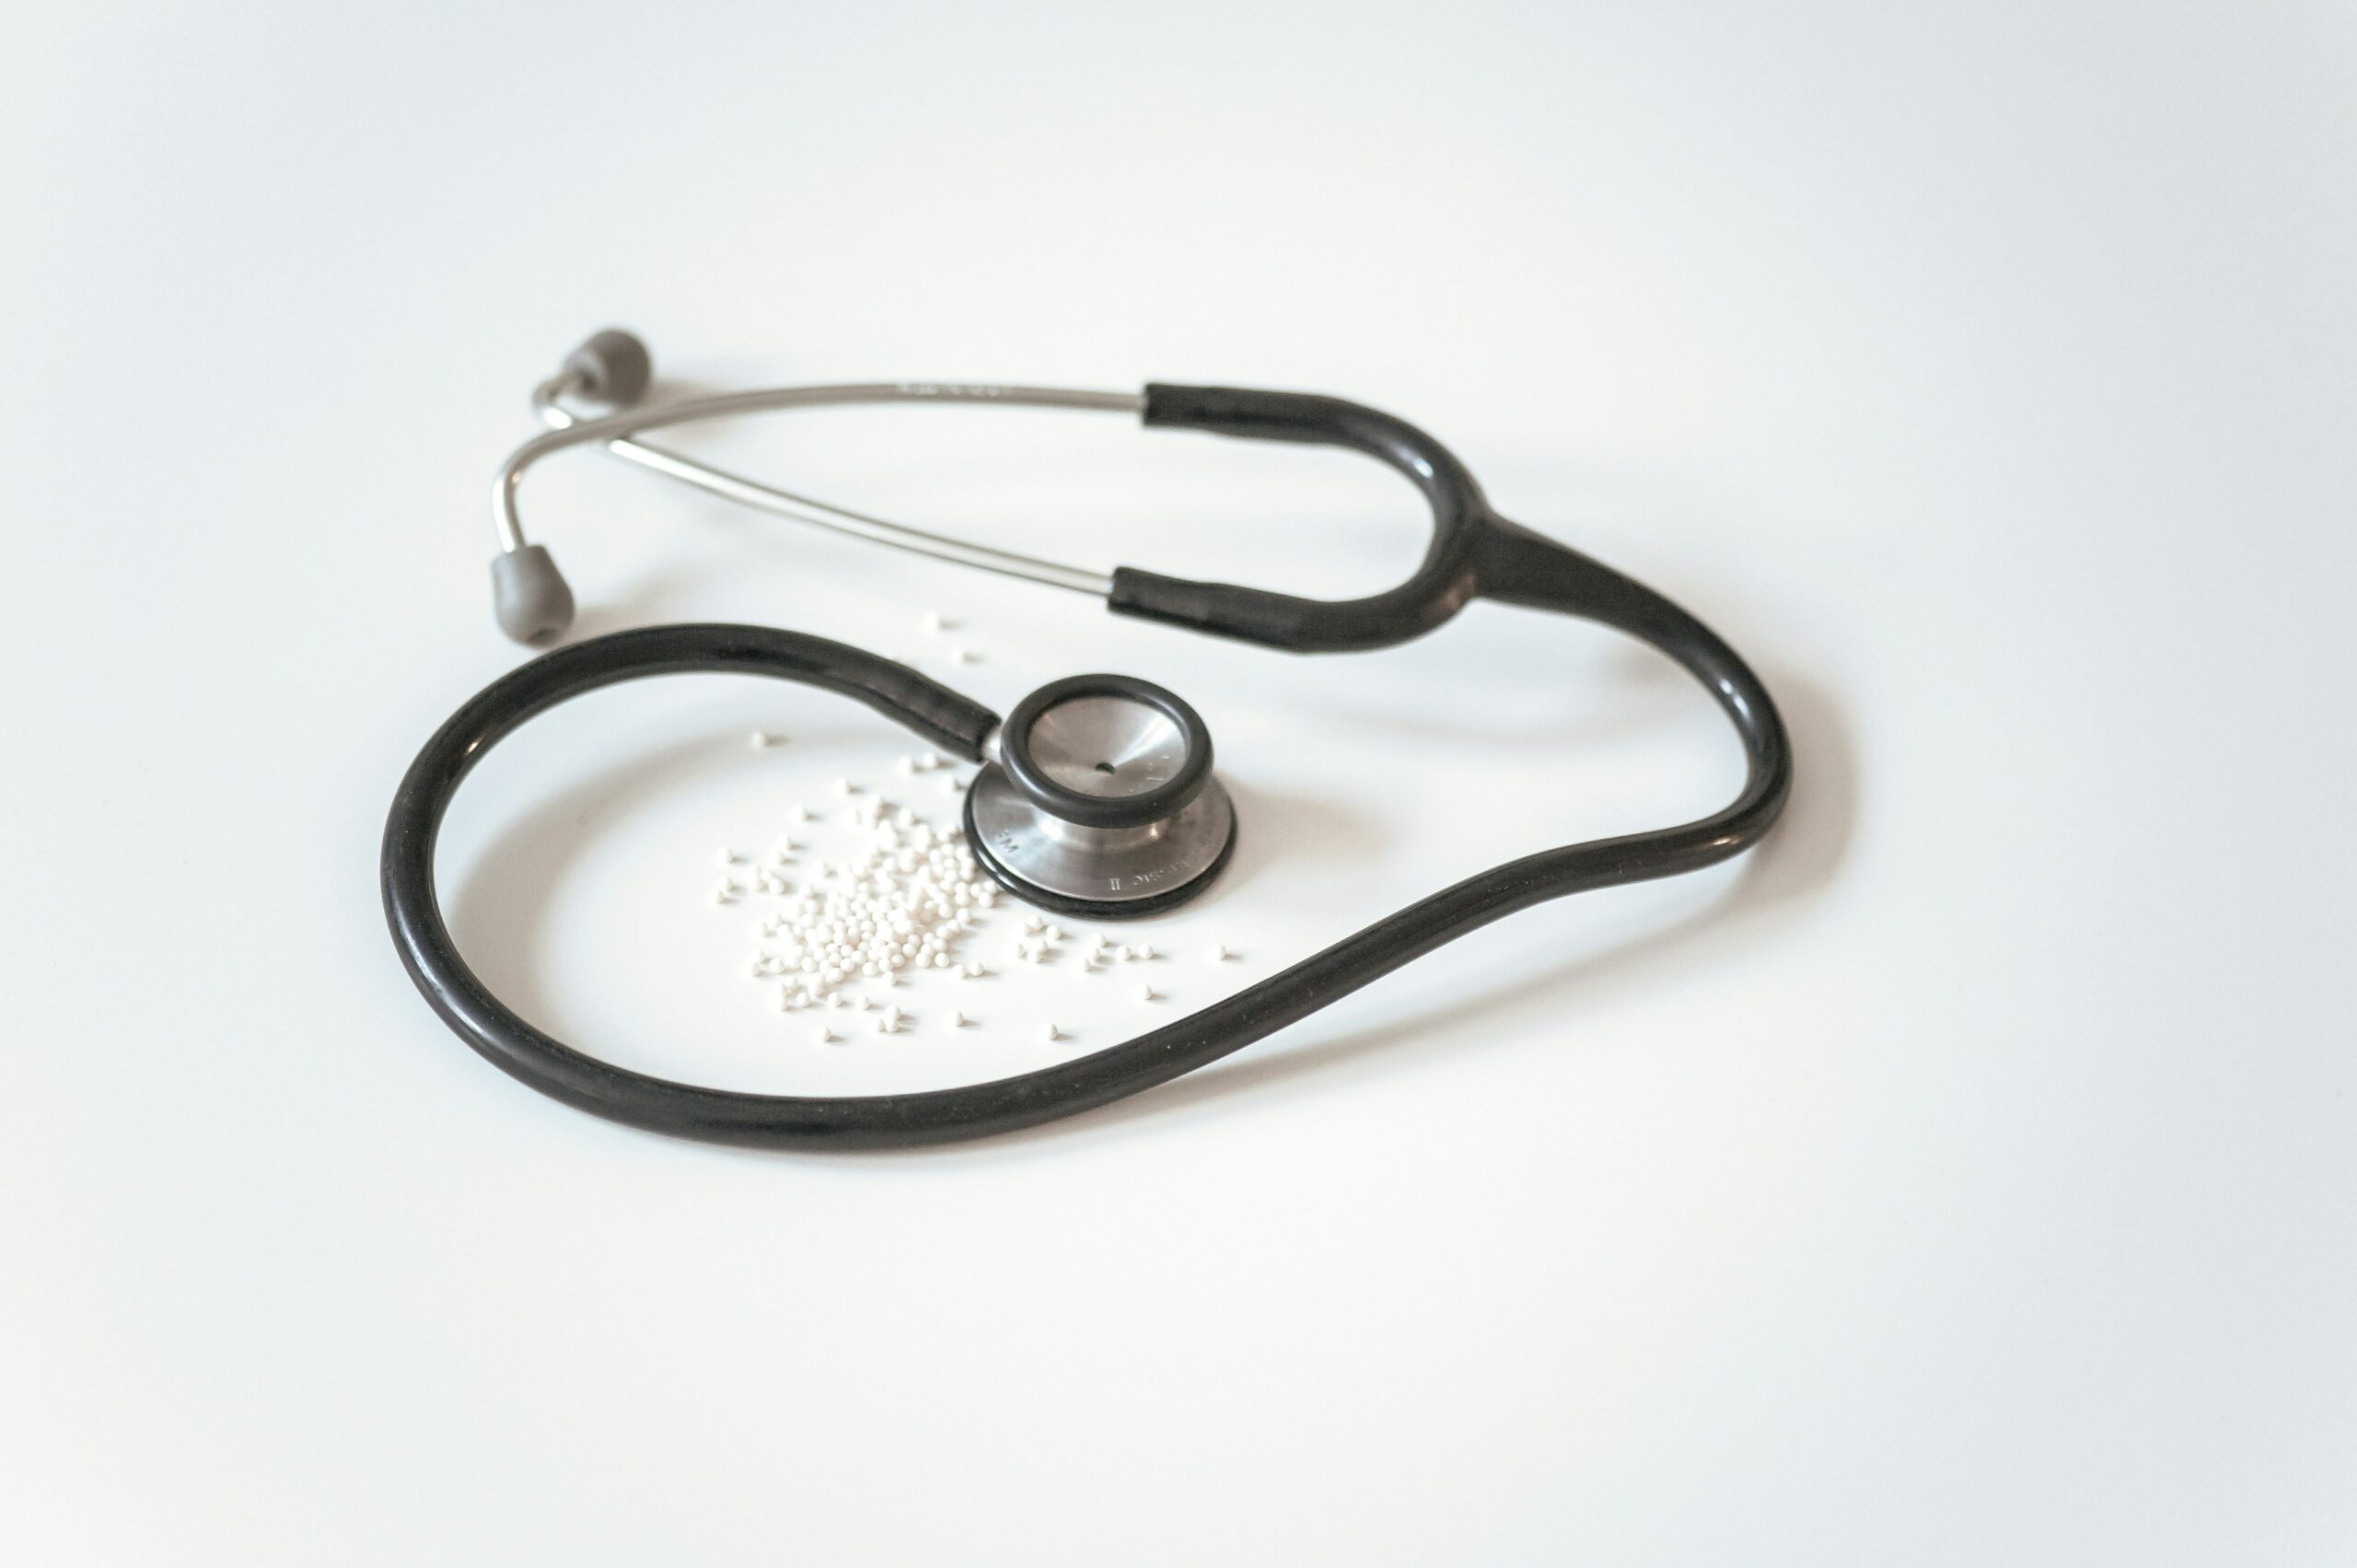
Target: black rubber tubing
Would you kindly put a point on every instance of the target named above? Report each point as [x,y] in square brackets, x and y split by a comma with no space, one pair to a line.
[1481,556]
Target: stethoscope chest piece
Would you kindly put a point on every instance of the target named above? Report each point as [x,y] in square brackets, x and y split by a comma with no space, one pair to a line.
[1101,804]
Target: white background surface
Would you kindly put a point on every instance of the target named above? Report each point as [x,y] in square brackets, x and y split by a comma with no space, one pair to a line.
[1969,1179]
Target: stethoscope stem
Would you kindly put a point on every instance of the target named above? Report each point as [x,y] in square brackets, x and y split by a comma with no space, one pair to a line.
[785,504]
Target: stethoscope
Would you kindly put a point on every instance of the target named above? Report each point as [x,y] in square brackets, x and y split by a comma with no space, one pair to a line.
[1097,796]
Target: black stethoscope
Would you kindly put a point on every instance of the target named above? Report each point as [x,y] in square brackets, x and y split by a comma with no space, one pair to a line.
[1096,797]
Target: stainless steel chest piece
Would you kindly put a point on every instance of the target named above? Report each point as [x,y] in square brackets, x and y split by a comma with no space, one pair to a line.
[1101,804]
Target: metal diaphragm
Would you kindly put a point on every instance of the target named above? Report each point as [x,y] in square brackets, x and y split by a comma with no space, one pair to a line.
[1101,804]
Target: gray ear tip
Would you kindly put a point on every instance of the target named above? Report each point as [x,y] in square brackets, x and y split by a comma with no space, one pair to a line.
[528,594]
[614,366]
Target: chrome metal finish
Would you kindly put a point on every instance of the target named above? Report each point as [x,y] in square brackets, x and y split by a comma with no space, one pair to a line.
[1108,746]
[619,431]
[1099,841]
[1098,866]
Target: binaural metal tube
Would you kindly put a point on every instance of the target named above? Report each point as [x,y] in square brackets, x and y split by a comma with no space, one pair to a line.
[618,433]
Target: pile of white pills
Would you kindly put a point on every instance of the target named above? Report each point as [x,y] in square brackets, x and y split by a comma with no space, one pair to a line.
[900,904]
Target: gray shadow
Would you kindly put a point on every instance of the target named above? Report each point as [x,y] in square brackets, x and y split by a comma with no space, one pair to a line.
[1274,830]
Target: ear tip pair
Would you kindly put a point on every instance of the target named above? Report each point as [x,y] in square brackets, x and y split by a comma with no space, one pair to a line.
[527,593]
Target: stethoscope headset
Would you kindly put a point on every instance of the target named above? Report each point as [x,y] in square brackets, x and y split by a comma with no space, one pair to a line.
[1047,816]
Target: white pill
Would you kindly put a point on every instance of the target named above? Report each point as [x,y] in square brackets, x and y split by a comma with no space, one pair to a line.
[956,1019]
[1051,1034]
[1220,953]
[1149,993]
[1146,950]
[825,1035]
[961,656]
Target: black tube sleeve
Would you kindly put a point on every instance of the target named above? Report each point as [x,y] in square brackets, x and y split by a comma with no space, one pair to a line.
[1442,584]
